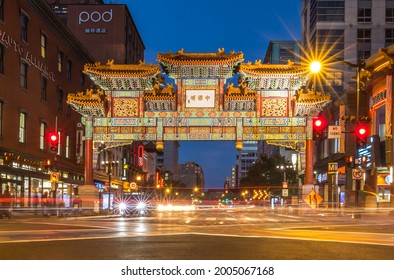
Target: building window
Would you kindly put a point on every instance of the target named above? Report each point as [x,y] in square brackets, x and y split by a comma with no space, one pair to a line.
[68,111]
[362,55]
[82,82]
[24,22]
[334,78]
[59,61]
[58,142]
[67,146]
[330,10]
[23,81]
[389,36]
[42,135]
[69,69]
[2,10]
[364,35]
[44,84]
[389,11]
[1,117]
[364,15]
[43,45]
[60,95]
[331,41]
[22,127]
[2,49]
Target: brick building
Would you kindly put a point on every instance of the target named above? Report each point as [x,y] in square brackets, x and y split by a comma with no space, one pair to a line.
[40,62]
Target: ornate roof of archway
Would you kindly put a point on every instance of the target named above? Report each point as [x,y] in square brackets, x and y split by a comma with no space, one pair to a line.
[200,65]
[183,58]
[273,76]
[112,76]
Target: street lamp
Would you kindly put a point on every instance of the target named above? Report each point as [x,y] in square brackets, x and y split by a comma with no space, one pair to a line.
[283,168]
[315,67]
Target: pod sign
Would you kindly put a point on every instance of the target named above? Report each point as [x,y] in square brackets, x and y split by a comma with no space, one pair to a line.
[95,16]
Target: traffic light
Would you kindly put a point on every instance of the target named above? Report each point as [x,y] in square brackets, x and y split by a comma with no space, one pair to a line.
[319,125]
[53,141]
[361,135]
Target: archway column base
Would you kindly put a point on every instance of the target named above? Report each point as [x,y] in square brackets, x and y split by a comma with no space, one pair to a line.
[89,195]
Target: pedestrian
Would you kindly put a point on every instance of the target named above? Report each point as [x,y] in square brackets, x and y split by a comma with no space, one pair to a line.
[35,202]
[5,203]
[44,203]
[59,203]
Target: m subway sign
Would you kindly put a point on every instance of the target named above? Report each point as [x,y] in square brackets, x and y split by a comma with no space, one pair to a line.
[94,16]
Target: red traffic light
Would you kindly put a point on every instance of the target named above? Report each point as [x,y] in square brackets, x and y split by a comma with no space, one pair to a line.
[361,131]
[53,141]
[319,125]
[361,135]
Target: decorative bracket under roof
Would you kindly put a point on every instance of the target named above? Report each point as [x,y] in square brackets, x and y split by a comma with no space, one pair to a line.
[89,103]
[159,92]
[310,103]
[239,92]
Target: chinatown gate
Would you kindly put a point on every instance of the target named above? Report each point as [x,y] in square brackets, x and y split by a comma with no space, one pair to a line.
[135,103]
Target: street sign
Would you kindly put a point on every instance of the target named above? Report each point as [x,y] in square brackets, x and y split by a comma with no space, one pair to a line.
[334,132]
[332,167]
[54,177]
[313,199]
[357,173]
[285,192]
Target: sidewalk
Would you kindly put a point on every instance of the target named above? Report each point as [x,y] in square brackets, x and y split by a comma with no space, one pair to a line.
[24,213]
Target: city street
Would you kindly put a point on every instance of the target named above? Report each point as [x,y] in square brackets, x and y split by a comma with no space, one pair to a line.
[211,233]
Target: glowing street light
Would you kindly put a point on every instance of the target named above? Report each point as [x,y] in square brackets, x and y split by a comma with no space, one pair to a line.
[315,67]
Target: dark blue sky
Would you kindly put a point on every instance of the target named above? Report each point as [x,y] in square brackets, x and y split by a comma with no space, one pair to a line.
[204,26]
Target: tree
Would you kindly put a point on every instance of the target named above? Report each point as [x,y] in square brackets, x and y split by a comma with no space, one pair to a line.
[265,172]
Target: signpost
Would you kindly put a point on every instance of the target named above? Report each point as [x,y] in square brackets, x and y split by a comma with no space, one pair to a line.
[54,177]
[334,132]
[313,199]
[333,183]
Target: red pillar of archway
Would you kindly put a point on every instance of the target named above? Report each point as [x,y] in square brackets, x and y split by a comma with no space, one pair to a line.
[89,162]
[309,149]
[308,184]
[88,193]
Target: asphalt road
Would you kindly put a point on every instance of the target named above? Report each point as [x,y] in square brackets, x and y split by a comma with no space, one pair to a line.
[208,234]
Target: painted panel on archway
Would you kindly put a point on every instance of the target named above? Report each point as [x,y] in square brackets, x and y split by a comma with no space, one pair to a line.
[125,107]
[201,82]
[200,98]
[274,107]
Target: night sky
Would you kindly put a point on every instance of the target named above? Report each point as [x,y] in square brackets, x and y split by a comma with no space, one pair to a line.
[204,26]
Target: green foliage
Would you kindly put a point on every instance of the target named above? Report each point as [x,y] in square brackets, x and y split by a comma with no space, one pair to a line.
[265,172]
